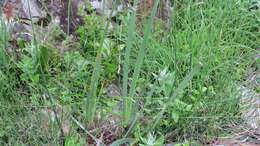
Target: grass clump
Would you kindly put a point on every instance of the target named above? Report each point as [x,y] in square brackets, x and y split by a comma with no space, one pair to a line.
[176,83]
[218,35]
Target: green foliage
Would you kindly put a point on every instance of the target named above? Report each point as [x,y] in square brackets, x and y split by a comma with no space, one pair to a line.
[35,61]
[4,37]
[201,34]
[127,113]
[74,141]
[151,140]
[91,33]
[176,84]
[121,141]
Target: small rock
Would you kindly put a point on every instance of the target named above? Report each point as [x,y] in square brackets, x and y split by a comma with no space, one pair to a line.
[251,101]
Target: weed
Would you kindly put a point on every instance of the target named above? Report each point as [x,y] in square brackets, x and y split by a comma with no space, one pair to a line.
[176,84]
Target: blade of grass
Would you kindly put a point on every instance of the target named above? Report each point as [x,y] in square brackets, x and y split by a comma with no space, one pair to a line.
[92,97]
[3,41]
[35,54]
[139,61]
[122,141]
[85,130]
[129,45]
[133,124]
[173,96]
[68,21]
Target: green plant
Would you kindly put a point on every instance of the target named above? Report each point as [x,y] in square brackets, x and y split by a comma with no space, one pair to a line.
[3,43]
[127,113]
[151,140]
[129,108]
[74,141]
[198,35]
[178,83]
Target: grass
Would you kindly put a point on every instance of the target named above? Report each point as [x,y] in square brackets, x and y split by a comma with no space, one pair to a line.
[129,45]
[176,84]
[129,106]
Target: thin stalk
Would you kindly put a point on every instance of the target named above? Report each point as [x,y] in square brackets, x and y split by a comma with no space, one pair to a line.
[174,96]
[129,45]
[4,41]
[35,53]
[139,62]
[68,19]
[92,97]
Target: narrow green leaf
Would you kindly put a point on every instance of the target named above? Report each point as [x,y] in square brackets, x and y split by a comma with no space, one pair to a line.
[122,141]
[139,60]
[174,95]
[92,97]
[129,45]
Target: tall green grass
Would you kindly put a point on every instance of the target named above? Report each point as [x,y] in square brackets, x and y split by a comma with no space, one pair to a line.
[129,101]
[219,35]
[3,42]
[129,44]
[178,83]
[92,96]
